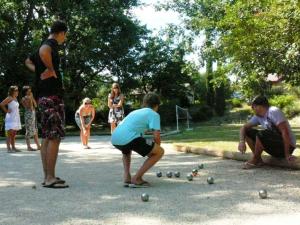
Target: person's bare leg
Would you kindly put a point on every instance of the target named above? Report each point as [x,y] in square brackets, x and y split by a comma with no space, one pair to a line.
[13,140]
[8,140]
[88,134]
[112,127]
[44,156]
[85,137]
[81,137]
[28,143]
[155,155]
[250,143]
[36,141]
[256,159]
[51,157]
[58,140]
[126,164]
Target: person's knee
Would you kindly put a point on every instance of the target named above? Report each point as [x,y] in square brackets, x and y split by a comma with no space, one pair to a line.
[161,151]
[157,150]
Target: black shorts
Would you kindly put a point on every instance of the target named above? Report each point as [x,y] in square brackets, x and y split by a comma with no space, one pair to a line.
[271,140]
[139,145]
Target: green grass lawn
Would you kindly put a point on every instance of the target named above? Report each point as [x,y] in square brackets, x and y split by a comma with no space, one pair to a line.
[218,138]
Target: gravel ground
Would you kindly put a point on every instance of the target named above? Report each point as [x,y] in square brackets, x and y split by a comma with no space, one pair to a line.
[96,195]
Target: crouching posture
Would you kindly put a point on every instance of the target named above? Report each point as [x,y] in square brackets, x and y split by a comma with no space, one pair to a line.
[276,137]
[128,137]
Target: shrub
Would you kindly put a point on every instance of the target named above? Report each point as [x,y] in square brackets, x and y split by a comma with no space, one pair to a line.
[291,111]
[167,113]
[282,101]
[235,103]
[200,112]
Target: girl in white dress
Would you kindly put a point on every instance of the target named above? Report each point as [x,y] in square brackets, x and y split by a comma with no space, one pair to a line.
[10,106]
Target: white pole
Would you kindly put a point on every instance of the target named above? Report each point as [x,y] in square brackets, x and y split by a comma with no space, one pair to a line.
[177,118]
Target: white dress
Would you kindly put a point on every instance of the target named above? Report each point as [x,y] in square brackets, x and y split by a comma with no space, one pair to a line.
[12,119]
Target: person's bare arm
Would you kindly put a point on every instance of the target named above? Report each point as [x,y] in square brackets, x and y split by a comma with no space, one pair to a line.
[30,65]
[4,103]
[242,143]
[120,104]
[24,102]
[109,102]
[46,57]
[81,118]
[33,101]
[157,138]
[283,127]
[93,114]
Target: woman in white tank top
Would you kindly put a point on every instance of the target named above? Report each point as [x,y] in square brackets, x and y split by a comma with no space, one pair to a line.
[12,118]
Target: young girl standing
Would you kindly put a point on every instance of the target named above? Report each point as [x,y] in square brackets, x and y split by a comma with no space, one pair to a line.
[29,104]
[10,106]
[115,104]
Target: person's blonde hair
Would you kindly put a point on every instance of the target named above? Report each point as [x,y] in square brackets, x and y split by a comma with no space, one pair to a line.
[112,94]
[85,100]
[11,90]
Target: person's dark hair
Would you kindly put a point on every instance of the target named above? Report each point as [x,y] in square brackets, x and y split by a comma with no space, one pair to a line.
[151,100]
[25,89]
[58,26]
[260,100]
[11,90]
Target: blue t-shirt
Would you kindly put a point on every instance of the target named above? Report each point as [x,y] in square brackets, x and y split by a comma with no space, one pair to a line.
[134,125]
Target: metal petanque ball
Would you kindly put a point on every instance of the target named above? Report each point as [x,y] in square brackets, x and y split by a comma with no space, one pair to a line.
[177,174]
[159,174]
[189,177]
[145,197]
[210,180]
[169,174]
[194,172]
[263,194]
[200,166]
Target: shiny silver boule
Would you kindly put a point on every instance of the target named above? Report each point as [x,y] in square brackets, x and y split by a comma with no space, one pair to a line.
[263,194]
[210,180]
[177,174]
[159,174]
[200,166]
[169,174]
[145,197]
[189,177]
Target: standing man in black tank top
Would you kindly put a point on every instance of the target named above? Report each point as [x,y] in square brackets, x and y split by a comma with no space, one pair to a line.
[45,64]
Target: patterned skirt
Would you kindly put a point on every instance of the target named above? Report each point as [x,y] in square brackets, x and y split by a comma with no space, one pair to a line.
[52,110]
[30,123]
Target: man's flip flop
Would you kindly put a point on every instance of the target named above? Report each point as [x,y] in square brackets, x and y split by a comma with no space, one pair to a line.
[144,184]
[249,166]
[126,184]
[56,185]
[59,181]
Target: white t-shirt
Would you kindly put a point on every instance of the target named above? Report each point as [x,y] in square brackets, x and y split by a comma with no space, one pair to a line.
[273,116]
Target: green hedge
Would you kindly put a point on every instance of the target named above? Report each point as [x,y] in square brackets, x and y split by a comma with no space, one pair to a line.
[287,103]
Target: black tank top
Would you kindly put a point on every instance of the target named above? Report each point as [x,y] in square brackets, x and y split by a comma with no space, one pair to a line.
[50,86]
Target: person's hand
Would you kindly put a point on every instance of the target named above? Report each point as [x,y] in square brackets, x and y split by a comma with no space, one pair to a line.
[8,111]
[242,147]
[47,74]
[290,158]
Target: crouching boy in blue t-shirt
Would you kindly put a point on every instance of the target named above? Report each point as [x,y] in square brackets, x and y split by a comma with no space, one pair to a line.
[128,136]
